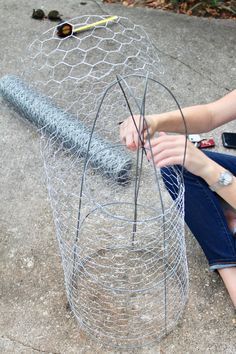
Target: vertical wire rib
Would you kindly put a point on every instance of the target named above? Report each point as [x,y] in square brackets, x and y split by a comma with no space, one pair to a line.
[131,113]
[163,228]
[163,214]
[156,176]
[139,169]
[141,137]
[137,160]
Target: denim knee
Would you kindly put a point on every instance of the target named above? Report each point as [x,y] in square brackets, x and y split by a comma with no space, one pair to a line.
[204,216]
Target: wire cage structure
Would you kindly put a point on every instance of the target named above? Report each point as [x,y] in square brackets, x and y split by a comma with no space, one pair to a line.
[120,232]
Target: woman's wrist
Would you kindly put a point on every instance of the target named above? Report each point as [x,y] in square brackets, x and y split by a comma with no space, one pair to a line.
[211,172]
[158,122]
[153,123]
[223,183]
[167,122]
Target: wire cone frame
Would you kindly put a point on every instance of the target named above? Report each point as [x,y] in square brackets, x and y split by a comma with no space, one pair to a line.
[121,239]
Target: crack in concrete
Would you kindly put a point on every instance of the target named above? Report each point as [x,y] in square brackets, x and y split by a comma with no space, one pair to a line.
[204,75]
[27,345]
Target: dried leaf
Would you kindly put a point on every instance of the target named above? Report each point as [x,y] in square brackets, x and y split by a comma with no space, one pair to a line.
[222,9]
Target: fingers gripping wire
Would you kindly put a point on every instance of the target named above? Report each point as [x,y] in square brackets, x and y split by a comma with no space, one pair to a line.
[145,123]
[119,79]
[138,159]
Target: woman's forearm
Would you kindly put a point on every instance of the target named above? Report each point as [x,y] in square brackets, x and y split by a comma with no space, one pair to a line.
[200,118]
[197,119]
[211,174]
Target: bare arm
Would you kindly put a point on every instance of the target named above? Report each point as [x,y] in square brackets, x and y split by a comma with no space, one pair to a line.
[228,193]
[223,110]
[170,150]
[200,118]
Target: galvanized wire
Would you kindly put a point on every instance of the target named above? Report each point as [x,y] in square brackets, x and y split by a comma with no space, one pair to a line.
[121,241]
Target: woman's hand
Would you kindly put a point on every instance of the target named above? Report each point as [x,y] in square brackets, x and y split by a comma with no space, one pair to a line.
[133,136]
[169,150]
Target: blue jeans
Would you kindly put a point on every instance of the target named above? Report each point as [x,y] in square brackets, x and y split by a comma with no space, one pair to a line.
[204,215]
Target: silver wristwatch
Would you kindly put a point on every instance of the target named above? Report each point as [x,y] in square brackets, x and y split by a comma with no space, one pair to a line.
[225,179]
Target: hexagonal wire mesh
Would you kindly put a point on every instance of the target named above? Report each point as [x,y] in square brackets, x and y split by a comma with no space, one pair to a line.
[121,235]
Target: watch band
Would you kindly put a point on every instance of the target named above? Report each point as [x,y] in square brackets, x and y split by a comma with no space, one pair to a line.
[224,180]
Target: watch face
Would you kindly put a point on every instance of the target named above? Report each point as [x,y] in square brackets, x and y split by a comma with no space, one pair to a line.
[226,178]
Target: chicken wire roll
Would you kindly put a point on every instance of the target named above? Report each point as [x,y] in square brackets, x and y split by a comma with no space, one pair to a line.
[68,131]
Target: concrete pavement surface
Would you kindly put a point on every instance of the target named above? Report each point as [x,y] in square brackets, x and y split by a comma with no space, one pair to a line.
[198,57]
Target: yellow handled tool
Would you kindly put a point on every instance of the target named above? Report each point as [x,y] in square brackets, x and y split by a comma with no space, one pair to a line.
[66,29]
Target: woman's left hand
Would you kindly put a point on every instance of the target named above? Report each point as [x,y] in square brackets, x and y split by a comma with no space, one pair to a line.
[170,149]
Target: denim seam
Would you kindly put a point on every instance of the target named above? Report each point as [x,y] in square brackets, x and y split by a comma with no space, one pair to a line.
[216,267]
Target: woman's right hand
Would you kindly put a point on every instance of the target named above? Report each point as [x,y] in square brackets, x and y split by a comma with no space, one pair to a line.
[134,135]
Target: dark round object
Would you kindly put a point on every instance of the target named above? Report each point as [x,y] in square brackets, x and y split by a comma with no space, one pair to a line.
[54,15]
[64,30]
[38,14]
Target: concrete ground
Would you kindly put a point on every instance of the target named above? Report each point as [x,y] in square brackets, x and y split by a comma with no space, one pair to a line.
[198,56]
